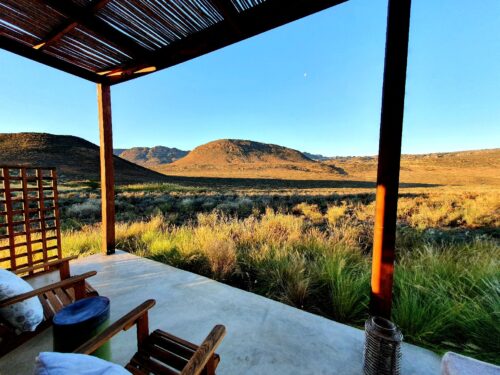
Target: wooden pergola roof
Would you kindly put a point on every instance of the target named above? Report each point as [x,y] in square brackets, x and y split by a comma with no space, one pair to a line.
[112,41]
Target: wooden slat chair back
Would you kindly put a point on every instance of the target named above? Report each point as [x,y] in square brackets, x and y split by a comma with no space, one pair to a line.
[29,218]
[30,244]
[30,224]
[160,353]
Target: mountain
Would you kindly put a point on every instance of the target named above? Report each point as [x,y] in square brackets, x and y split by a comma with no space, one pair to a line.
[247,159]
[78,159]
[151,156]
[74,157]
[235,151]
[446,168]
[317,157]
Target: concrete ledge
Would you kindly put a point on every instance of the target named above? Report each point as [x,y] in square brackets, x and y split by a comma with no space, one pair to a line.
[456,364]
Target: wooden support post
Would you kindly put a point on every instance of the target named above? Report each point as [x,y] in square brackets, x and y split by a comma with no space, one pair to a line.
[107,174]
[391,128]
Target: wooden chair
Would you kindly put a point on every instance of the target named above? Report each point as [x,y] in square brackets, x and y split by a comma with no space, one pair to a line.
[53,298]
[30,243]
[30,228]
[160,352]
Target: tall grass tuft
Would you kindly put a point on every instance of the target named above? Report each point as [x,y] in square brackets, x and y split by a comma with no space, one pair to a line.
[344,273]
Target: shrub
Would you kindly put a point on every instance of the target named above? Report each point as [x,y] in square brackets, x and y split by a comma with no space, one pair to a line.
[345,276]
[88,210]
[82,242]
[221,255]
[335,213]
[287,278]
[187,205]
[310,211]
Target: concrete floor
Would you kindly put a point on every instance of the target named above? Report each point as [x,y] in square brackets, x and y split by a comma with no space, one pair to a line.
[263,336]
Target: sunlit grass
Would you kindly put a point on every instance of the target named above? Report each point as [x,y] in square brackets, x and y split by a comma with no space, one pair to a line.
[158,188]
[447,293]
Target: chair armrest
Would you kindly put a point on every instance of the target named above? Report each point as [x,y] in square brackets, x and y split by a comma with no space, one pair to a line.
[52,264]
[205,351]
[124,323]
[61,284]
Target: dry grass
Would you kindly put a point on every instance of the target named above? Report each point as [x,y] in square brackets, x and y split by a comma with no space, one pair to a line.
[317,258]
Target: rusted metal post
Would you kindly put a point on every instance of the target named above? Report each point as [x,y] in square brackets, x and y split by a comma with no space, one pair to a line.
[391,128]
[107,172]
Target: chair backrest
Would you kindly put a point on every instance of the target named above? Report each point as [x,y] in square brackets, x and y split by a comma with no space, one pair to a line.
[29,217]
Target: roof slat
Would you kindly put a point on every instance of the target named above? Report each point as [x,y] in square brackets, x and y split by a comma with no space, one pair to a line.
[87,19]
[64,65]
[58,32]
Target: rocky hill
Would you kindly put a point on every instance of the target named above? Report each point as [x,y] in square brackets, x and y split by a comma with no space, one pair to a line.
[151,156]
[249,159]
[74,157]
[317,157]
[235,151]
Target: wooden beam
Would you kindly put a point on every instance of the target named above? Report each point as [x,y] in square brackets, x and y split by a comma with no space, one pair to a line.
[23,50]
[58,32]
[263,17]
[229,12]
[88,19]
[391,128]
[107,173]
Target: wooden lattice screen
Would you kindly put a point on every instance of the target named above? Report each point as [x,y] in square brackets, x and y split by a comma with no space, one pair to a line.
[29,217]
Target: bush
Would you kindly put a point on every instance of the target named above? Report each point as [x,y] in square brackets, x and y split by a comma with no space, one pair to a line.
[335,213]
[310,211]
[344,275]
[88,210]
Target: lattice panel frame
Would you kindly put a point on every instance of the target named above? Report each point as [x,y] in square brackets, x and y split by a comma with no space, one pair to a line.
[29,217]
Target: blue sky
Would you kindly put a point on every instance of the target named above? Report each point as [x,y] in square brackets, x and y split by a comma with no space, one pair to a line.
[313,85]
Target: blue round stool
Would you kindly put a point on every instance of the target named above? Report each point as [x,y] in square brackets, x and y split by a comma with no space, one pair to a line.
[76,323]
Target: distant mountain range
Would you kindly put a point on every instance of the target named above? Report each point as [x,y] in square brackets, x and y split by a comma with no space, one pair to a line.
[77,158]
[317,157]
[150,156]
[228,156]
[249,150]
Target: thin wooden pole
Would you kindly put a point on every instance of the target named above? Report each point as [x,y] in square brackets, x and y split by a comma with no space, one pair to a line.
[10,217]
[107,173]
[391,128]
[26,214]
